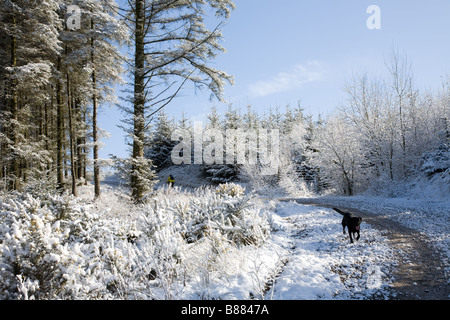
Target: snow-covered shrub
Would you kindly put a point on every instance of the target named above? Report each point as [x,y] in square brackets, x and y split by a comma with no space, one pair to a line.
[60,247]
[143,173]
[220,173]
[230,189]
[190,236]
[54,249]
[436,162]
[32,247]
[224,210]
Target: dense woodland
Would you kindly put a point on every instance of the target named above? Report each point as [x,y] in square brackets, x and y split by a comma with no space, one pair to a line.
[59,65]
[54,77]
[61,240]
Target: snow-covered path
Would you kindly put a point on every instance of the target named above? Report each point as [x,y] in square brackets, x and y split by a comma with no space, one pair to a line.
[390,261]
[322,264]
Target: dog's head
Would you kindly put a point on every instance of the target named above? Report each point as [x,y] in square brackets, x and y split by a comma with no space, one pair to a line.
[357,221]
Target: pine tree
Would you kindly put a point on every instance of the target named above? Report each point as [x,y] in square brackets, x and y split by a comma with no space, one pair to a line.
[171,44]
[226,171]
[29,31]
[161,145]
[105,35]
[90,65]
[251,119]
[213,118]
[232,119]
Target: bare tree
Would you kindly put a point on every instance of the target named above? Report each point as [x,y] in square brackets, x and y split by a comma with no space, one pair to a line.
[365,109]
[339,152]
[403,95]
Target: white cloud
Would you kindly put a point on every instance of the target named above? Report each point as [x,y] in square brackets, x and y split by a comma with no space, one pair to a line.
[285,81]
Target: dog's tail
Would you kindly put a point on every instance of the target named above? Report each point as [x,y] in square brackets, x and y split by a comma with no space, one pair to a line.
[341,212]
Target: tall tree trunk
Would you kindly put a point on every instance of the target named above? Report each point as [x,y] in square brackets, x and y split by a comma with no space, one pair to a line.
[59,133]
[15,161]
[71,139]
[79,142]
[84,151]
[94,122]
[402,133]
[3,151]
[139,101]
[46,132]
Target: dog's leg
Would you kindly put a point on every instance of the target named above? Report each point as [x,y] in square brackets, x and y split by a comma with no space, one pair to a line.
[343,225]
[351,239]
[357,238]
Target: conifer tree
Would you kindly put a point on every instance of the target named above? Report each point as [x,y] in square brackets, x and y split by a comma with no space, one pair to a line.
[30,33]
[172,45]
[92,66]
[46,79]
[161,145]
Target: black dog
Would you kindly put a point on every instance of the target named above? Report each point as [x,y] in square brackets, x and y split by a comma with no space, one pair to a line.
[352,223]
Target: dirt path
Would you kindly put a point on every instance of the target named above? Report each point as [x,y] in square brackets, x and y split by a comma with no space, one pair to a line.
[420,272]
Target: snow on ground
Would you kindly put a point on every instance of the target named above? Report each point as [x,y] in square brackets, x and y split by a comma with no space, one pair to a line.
[322,263]
[429,216]
[306,257]
[185,176]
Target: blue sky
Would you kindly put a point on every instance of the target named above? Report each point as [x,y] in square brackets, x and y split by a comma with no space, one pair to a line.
[284,51]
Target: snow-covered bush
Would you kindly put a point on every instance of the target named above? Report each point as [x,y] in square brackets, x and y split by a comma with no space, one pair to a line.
[220,173]
[33,248]
[139,169]
[230,189]
[190,237]
[436,162]
[223,210]
[59,247]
